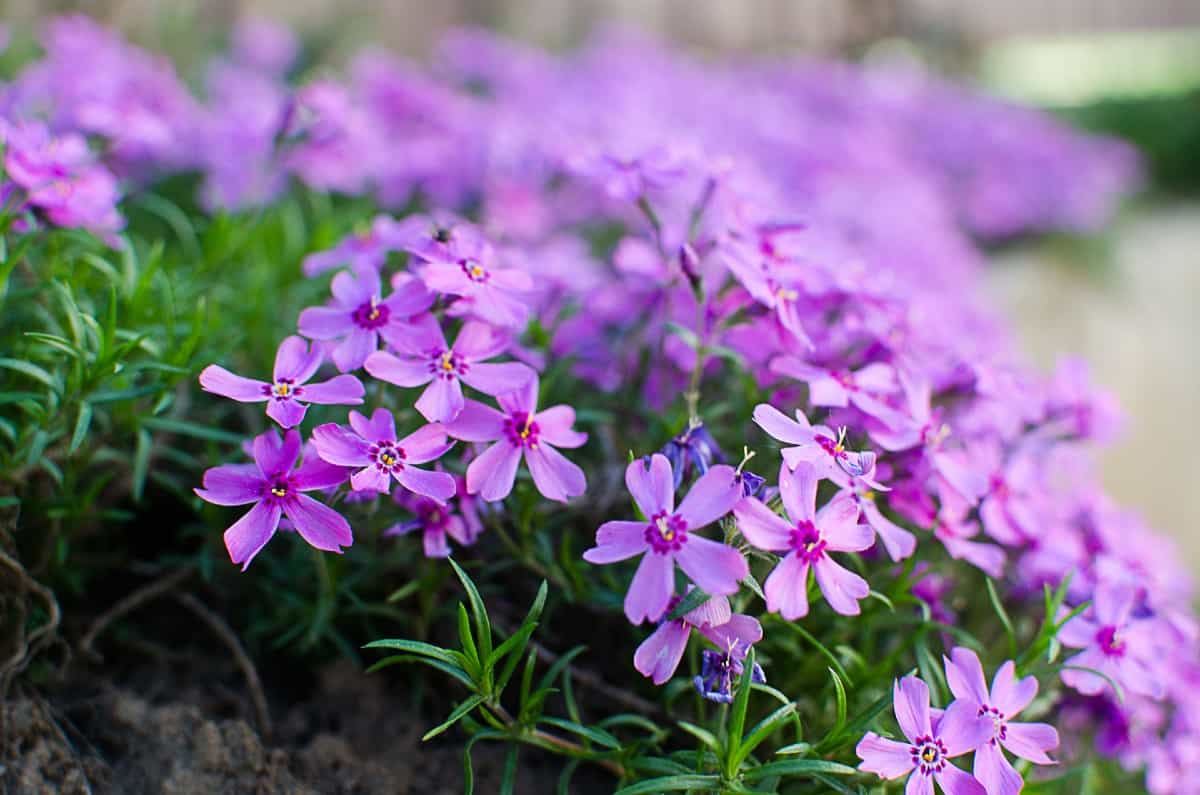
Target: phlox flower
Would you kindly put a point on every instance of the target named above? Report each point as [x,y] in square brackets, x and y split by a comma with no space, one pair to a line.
[898,542]
[289,392]
[468,269]
[658,655]
[931,743]
[359,315]
[721,670]
[806,537]
[519,431]
[274,484]
[427,359]
[694,448]
[371,447]
[957,534]
[438,522]
[816,444]
[1008,696]
[366,249]
[773,282]
[864,388]
[1114,642]
[668,536]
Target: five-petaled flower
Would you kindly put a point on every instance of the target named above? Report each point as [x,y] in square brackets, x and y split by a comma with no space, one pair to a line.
[440,521]
[1115,644]
[658,655]
[818,445]
[289,391]
[1008,696]
[359,315]
[669,536]
[521,431]
[274,484]
[371,447]
[932,743]
[807,537]
[427,359]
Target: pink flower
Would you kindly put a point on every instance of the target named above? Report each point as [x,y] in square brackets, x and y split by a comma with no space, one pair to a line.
[289,391]
[466,267]
[520,431]
[818,445]
[440,521]
[807,538]
[1114,642]
[658,655]
[669,536]
[274,485]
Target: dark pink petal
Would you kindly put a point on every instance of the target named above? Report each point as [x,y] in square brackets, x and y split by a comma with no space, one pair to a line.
[711,497]
[480,341]
[352,290]
[221,382]
[651,485]
[798,490]
[442,400]
[436,485]
[555,426]
[617,541]
[371,479]
[761,526]
[651,589]
[318,524]
[434,544]
[351,352]
[425,444]
[711,612]
[395,370]
[555,477]
[325,322]
[296,360]
[251,533]
[496,379]
[715,568]
[288,413]
[842,588]
[491,475]
[885,758]
[964,675]
[409,297]
[275,456]
[1010,695]
[780,426]
[996,773]
[342,390]
[963,729]
[1031,741]
[658,655]
[523,399]
[317,474]
[339,446]
[910,701]
[476,423]
[381,427]
[786,588]
[955,781]
[898,542]
[232,484]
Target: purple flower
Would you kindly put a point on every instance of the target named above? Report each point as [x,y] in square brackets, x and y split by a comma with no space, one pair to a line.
[274,485]
[773,282]
[363,251]
[289,390]
[1114,643]
[864,388]
[438,521]
[520,430]
[359,315]
[931,743]
[658,655]
[669,536]
[429,360]
[468,269]
[807,538]
[373,446]
[898,542]
[721,670]
[694,448]
[818,445]
[1007,698]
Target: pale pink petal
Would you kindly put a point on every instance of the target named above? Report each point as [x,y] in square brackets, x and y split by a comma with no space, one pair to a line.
[276,456]
[372,480]
[339,446]
[780,426]
[711,612]
[658,655]
[406,372]
[798,490]
[381,427]
[351,352]
[716,568]
[1031,741]
[479,341]
[1010,695]
[248,535]
[425,444]
[497,379]
[351,290]
[294,359]
[476,423]
[786,588]
[523,399]
[651,588]
[898,542]
[442,400]
[996,773]
[739,628]
[910,701]
[436,485]
[325,322]
[885,758]
[288,413]
[651,485]
[761,526]
[617,541]
[342,390]
[711,497]
[491,475]
[221,382]
[839,526]
[315,473]
[555,426]
[955,781]
[964,675]
[919,784]
[842,588]
[555,477]
[232,484]
[446,278]
[962,728]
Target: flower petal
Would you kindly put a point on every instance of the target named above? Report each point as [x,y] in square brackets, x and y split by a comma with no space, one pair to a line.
[716,568]
[711,497]
[340,446]
[1010,695]
[325,322]
[407,371]
[276,456]
[556,477]
[425,444]
[651,589]
[619,540]
[371,480]
[956,781]
[496,379]
[962,728]
[798,490]
[780,426]
[341,390]
[885,758]
[232,484]
[964,675]
[841,587]
[761,526]
[491,475]
[479,341]
[352,351]
[910,701]
[996,773]
[476,423]
[288,413]
[436,485]
[786,588]
[1031,741]
[318,524]
[441,401]
[294,359]
[248,535]
[221,382]
[651,485]
[555,425]
[315,473]
[658,655]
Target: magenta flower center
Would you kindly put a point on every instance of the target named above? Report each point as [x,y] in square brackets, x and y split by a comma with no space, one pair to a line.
[283,389]
[666,533]
[831,446]
[474,271]
[928,755]
[277,489]
[521,430]
[999,725]
[806,539]
[387,456]
[432,515]
[371,315]
[1110,642]
[447,365]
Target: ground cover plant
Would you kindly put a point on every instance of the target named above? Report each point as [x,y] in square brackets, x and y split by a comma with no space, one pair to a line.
[634,408]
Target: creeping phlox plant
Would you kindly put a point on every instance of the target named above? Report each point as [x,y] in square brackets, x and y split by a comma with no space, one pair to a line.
[549,298]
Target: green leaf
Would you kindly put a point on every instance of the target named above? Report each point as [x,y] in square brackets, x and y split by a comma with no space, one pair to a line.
[820,647]
[598,736]
[184,428]
[417,647]
[468,770]
[460,712]
[464,637]
[687,604]
[761,731]
[141,463]
[797,767]
[521,636]
[509,778]
[452,671]
[483,626]
[670,784]
[737,717]
[840,689]
[31,370]
[82,422]
[701,734]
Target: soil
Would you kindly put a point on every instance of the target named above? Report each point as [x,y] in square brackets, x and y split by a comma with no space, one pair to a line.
[166,729]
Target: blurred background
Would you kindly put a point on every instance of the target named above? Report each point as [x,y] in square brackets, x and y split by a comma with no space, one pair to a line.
[1125,297]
